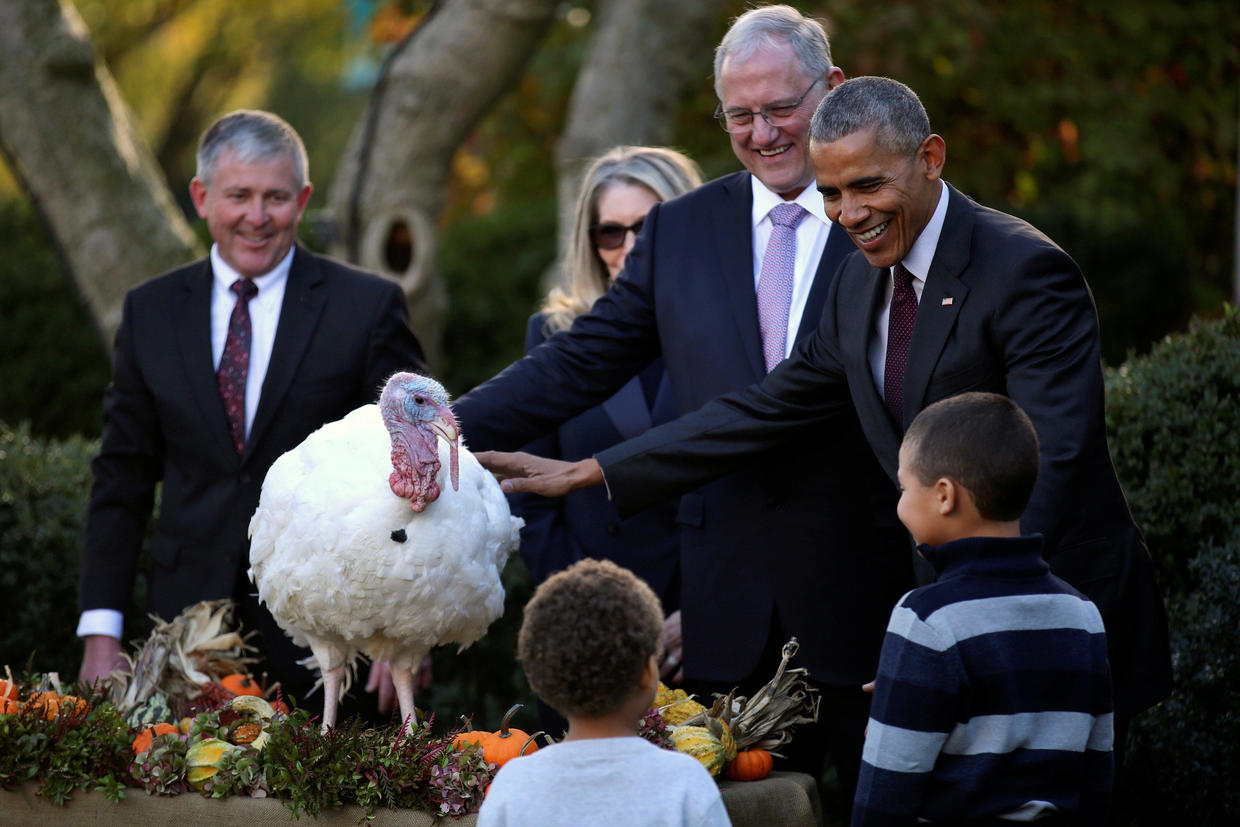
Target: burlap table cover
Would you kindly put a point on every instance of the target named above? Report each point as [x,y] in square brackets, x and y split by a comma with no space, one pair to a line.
[783,798]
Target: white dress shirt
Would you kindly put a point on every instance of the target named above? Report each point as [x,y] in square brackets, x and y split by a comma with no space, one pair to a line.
[264,316]
[917,262]
[811,241]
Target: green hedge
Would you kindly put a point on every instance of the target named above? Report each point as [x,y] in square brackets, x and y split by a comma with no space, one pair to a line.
[1174,420]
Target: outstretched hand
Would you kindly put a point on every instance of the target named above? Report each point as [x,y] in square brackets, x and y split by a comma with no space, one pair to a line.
[539,475]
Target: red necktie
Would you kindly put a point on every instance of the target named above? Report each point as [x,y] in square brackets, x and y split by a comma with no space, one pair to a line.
[775,280]
[235,363]
[899,332]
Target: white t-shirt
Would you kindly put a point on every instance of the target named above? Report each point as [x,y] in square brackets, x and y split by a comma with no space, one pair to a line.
[604,781]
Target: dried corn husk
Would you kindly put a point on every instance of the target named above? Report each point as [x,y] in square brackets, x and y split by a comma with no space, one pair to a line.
[765,721]
[180,656]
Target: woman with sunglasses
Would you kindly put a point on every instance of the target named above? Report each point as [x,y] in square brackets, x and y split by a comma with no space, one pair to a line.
[617,191]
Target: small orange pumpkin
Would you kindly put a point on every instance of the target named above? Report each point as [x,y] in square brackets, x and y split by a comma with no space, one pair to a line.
[8,690]
[46,704]
[750,765]
[280,707]
[240,684]
[10,706]
[143,742]
[500,747]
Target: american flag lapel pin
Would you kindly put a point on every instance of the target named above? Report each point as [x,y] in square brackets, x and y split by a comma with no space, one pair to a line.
[947,302]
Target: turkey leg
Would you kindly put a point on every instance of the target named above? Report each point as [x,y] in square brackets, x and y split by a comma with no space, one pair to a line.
[332,681]
[403,680]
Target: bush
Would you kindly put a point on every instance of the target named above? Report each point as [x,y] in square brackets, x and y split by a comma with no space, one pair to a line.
[1185,754]
[1173,417]
[55,363]
[1174,422]
[44,487]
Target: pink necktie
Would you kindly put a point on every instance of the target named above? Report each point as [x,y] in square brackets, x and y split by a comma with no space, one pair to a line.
[235,363]
[775,280]
[899,332]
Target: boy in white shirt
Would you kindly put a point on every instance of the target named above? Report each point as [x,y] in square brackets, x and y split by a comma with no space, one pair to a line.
[589,644]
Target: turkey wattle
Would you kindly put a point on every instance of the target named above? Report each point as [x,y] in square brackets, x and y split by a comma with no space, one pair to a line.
[360,546]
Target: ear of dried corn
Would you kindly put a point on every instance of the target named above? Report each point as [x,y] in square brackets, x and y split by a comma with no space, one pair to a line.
[180,656]
[765,720]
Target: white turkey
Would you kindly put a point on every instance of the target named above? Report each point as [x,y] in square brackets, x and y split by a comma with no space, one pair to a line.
[360,546]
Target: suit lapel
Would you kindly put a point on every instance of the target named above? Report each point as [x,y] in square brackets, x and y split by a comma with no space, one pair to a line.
[861,299]
[193,334]
[940,304]
[627,409]
[839,245]
[303,303]
[734,230]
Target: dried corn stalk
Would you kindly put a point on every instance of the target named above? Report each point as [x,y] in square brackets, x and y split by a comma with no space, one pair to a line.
[181,656]
[765,721]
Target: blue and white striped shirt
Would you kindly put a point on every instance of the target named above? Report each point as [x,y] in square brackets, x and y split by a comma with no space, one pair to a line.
[993,697]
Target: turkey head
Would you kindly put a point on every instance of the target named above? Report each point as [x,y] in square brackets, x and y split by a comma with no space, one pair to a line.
[416,413]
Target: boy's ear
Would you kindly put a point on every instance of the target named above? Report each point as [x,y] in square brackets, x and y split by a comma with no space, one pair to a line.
[649,677]
[946,494]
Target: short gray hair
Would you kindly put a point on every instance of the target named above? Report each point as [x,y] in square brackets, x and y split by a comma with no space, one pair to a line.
[884,105]
[252,135]
[776,25]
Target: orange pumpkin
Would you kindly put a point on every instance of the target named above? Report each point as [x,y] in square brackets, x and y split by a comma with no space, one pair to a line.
[280,707]
[143,742]
[8,690]
[46,704]
[750,765]
[240,684]
[500,747]
[10,706]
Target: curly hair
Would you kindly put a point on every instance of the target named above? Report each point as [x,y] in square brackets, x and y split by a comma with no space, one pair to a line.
[587,633]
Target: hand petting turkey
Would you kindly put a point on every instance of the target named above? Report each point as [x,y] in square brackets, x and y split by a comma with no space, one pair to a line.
[520,471]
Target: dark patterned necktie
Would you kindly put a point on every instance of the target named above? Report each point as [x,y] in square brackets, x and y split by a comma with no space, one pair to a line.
[235,363]
[899,332]
[775,281]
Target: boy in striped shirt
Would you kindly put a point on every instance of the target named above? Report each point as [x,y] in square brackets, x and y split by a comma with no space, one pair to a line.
[992,703]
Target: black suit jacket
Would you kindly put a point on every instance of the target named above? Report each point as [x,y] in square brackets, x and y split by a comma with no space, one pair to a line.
[788,535]
[340,334]
[1005,310]
[562,530]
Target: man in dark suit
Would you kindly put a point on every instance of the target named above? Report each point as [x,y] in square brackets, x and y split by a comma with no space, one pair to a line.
[996,306]
[211,385]
[778,548]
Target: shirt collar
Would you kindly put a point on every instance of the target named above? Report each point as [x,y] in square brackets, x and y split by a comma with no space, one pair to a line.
[224,275]
[764,200]
[917,262]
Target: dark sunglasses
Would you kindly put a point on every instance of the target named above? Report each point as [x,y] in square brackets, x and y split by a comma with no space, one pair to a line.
[610,235]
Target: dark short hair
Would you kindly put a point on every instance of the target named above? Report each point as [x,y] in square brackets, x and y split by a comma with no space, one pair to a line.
[587,634]
[254,135]
[983,442]
[888,107]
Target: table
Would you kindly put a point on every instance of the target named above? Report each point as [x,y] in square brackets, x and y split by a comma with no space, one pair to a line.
[783,799]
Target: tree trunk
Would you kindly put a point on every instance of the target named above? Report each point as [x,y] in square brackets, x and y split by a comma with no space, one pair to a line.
[436,85]
[72,145]
[640,62]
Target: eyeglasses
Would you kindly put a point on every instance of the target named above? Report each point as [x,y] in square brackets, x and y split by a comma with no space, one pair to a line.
[775,114]
[609,235]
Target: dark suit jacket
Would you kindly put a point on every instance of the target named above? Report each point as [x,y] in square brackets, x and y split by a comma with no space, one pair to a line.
[1003,310]
[790,533]
[562,530]
[340,334]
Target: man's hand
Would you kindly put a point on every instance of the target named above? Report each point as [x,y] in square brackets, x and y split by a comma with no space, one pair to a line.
[100,658]
[673,649]
[539,475]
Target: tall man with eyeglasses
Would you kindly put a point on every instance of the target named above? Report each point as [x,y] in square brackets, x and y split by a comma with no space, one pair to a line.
[722,282]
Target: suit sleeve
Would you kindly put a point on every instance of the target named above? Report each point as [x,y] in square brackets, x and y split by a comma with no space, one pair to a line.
[1049,331]
[803,393]
[574,370]
[545,544]
[125,472]
[392,345]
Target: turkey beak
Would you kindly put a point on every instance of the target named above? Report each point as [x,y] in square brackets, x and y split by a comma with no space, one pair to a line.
[445,425]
